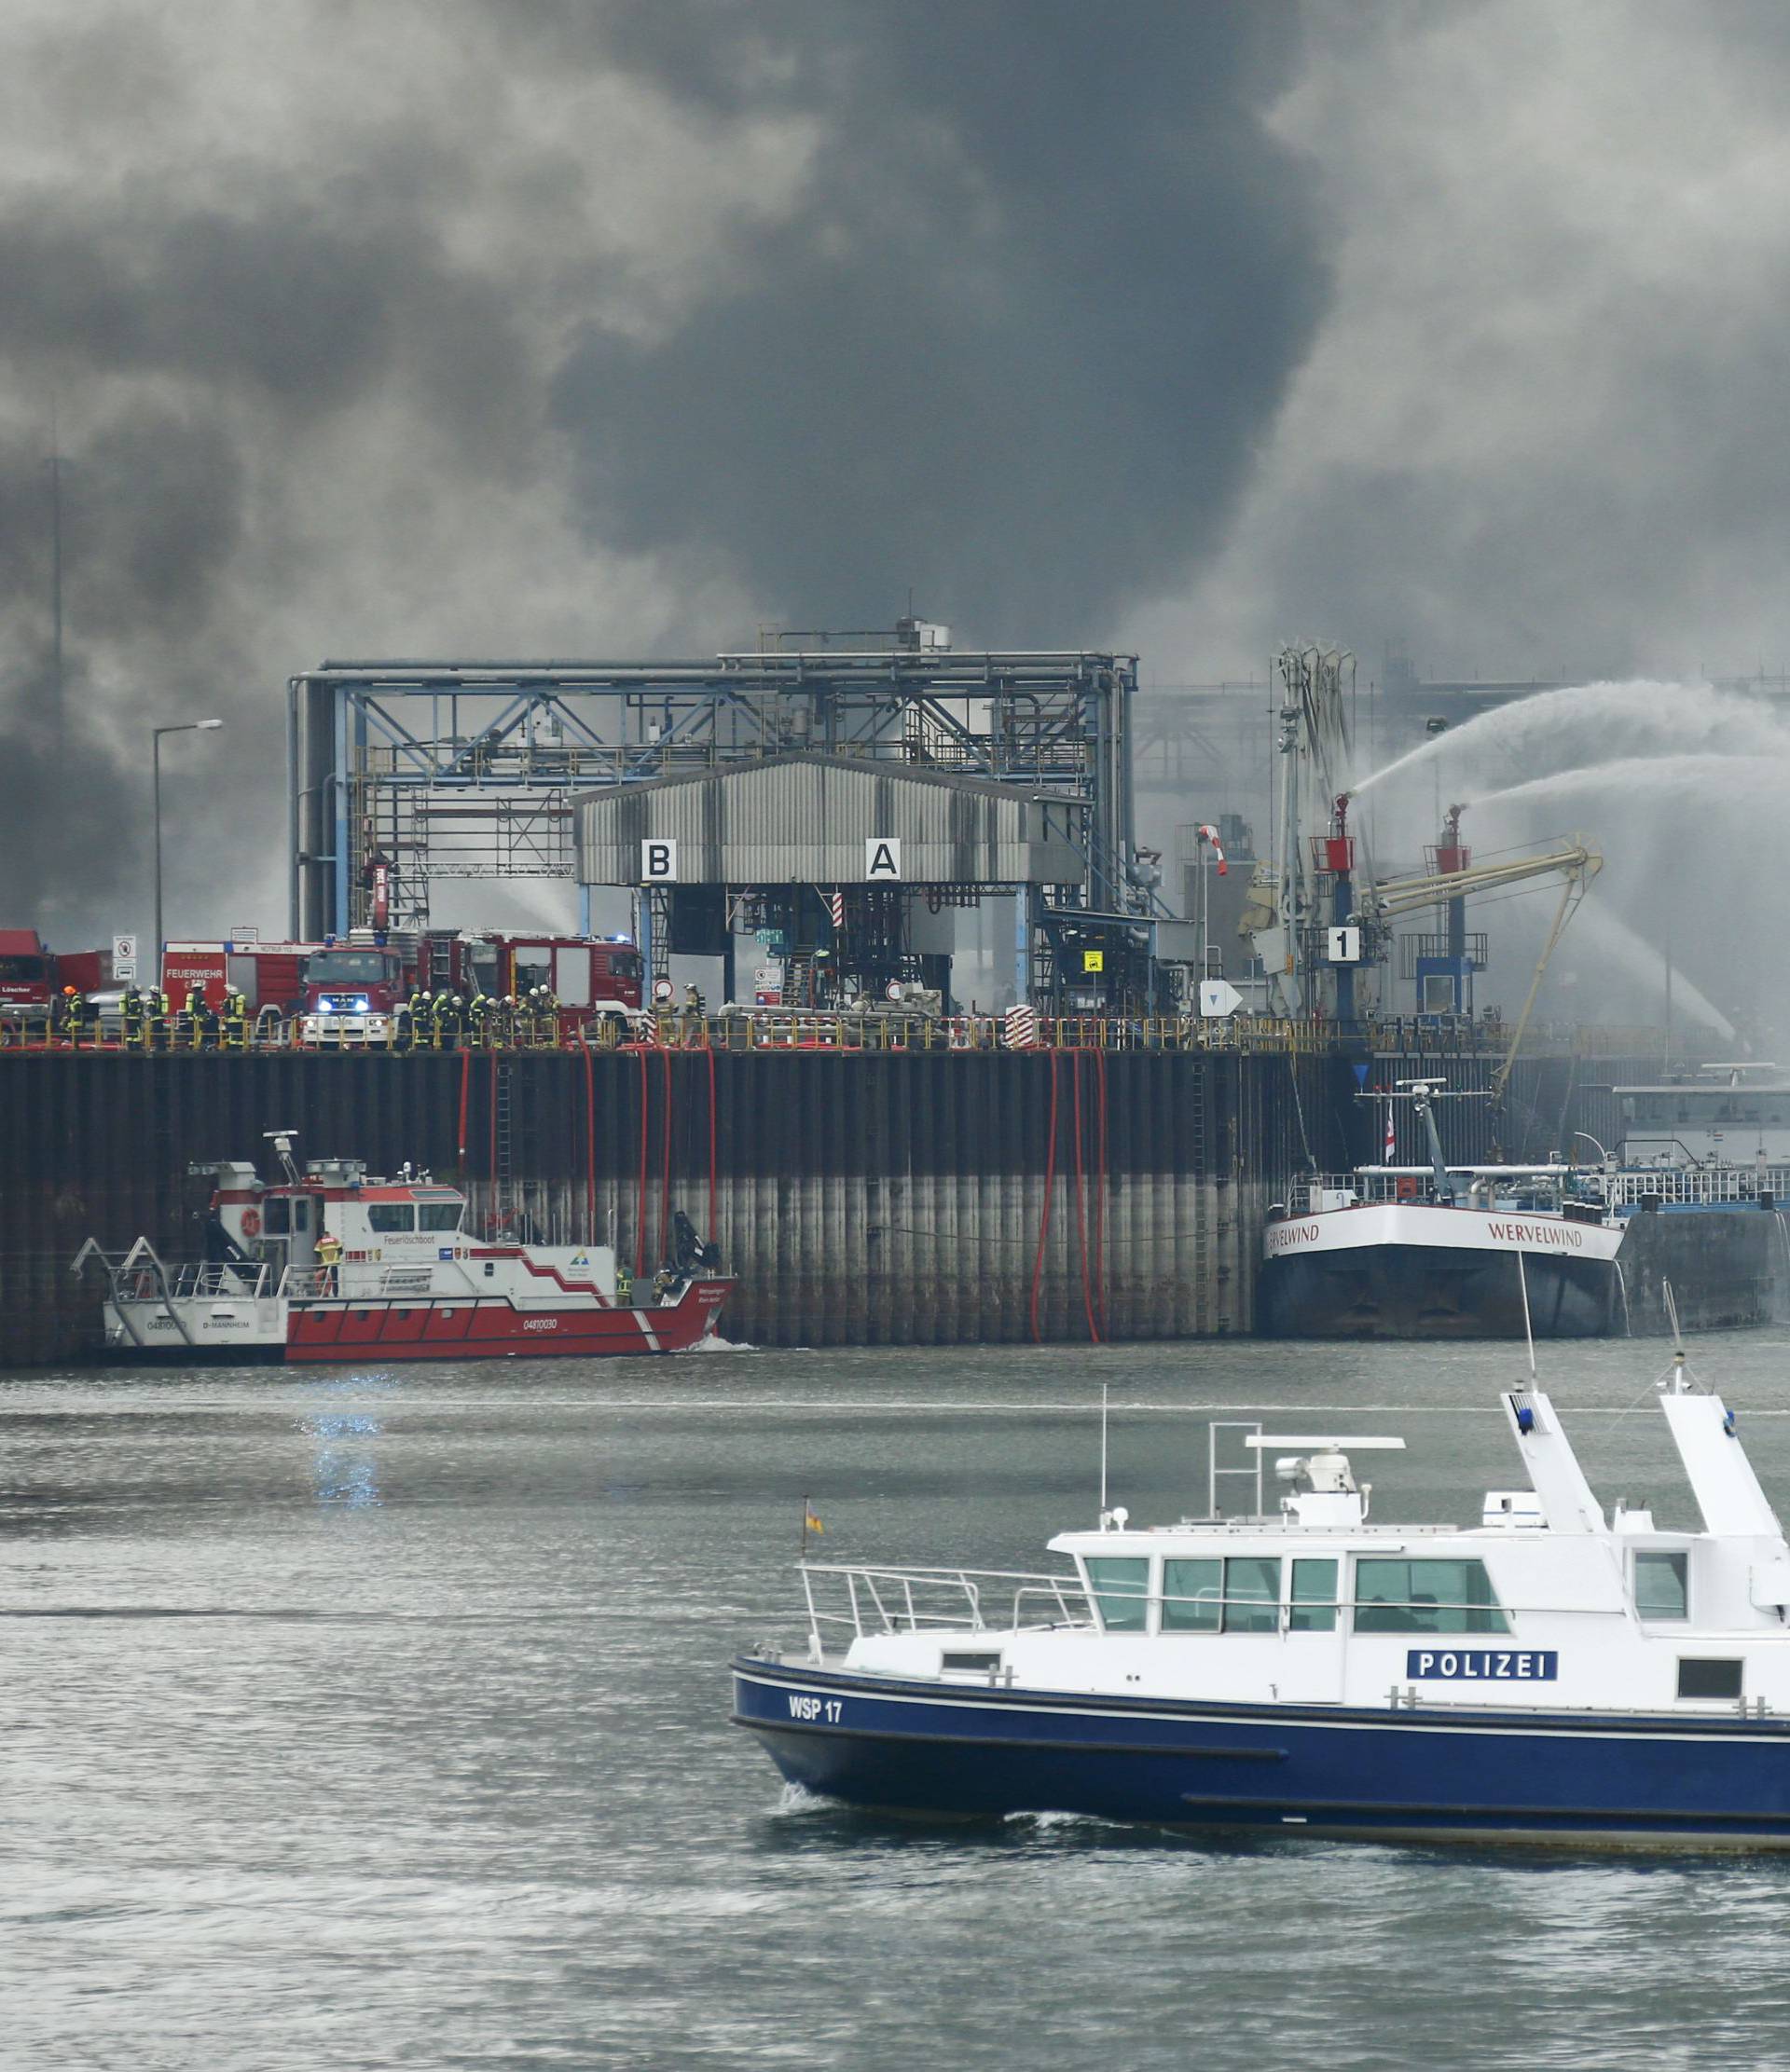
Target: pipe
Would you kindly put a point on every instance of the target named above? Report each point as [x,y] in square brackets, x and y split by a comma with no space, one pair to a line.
[1045,1220]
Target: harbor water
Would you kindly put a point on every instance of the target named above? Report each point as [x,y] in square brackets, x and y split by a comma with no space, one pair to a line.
[379,1719]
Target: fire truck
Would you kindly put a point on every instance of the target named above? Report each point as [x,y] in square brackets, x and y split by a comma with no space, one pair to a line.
[33,975]
[267,974]
[353,987]
[588,976]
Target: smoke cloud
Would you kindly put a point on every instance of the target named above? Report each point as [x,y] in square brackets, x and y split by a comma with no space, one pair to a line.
[460,327]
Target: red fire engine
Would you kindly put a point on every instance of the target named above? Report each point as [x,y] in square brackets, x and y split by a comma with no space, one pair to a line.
[33,977]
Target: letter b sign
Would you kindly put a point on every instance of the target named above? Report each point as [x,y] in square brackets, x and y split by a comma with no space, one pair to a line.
[658,863]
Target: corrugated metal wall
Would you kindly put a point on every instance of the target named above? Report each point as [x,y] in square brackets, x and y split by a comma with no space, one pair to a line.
[930,1198]
[863,1200]
[806,819]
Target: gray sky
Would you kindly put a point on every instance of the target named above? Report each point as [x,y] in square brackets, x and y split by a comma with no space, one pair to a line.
[435,326]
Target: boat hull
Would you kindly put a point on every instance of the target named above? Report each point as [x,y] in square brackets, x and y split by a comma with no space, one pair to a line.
[1713,1780]
[1420,1271]
[354,1330]
[1397,1290]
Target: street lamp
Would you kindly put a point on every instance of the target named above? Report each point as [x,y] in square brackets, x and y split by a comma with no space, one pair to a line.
[180,726]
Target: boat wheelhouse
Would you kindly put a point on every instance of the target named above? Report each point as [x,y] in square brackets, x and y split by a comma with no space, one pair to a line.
[334,1263]
[1550,1673]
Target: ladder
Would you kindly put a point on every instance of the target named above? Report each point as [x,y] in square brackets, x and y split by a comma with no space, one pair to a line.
[502,1176]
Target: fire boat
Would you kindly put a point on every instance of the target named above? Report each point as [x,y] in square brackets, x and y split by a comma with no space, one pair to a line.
[334,1265]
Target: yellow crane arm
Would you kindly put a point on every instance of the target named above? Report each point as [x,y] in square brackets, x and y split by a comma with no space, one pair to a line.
[1396,896]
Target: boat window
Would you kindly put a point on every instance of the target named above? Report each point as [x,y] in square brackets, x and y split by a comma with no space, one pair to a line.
[1252,1594]
[1660,1585]
[1238,1595]
[274,1213]
[1708,1678]
[1121,1587]
[389,1216]
[438,1215]
[1192,1592]
[1425,1597]
[1314,1609]
[301,1214]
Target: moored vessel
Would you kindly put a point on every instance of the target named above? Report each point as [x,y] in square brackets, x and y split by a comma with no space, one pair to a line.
[1445,1252]
[332,1263]
[1554,1673]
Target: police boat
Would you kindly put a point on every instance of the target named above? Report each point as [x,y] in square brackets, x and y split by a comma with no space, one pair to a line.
[1553,1674]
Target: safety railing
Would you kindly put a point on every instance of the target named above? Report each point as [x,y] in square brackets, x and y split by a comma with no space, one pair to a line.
[867,1600]
[819,1031]
[143,1280]
[1698,1186]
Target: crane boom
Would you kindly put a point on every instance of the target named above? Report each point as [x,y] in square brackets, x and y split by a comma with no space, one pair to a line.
[1576,862]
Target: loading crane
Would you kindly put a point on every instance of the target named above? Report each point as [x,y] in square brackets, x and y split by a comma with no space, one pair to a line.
[1576,864]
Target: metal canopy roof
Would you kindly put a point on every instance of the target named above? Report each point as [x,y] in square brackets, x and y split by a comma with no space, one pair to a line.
[805,819]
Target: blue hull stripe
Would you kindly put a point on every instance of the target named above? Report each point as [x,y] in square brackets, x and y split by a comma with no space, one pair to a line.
[921,1746]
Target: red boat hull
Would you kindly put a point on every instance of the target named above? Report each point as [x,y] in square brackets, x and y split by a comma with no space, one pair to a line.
[491,1328]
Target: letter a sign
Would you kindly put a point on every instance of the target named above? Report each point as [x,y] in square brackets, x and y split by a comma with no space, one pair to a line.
[658,863]
[883,858]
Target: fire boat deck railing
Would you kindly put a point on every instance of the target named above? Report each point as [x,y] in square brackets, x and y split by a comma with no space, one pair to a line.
[912,1600]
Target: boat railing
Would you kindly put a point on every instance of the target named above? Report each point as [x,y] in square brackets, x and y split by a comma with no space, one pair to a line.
[1698,1186]
[142,1280]
[866,1601]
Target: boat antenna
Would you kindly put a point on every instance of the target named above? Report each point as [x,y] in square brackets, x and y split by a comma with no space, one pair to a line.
[283,1143]
[1679,1383]
[1528,1328]
[1103,1448]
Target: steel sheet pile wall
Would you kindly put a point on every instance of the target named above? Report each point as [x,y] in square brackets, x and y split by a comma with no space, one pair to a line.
[863,1200]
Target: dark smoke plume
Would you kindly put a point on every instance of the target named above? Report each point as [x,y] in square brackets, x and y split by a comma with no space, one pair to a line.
[365,335]
[1045,290]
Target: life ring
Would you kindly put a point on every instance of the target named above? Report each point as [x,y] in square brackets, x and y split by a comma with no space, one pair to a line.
[251,1223]
[1407,1190]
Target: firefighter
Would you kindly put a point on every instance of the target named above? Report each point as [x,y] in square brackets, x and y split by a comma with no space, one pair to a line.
[504,1017]
[236,1021]
[329,1258]
[422,1013]
[479,1018]
[692,1000]
[446,1016]
[131,1012]
[74,1016]
[546,1015]
[202,1023]
[623,1286]
[155,1020]
[404,1025]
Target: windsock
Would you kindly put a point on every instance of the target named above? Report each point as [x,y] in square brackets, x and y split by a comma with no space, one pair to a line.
[1211,835]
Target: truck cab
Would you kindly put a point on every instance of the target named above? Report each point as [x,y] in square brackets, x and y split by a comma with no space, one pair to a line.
[351,993]
[27,975]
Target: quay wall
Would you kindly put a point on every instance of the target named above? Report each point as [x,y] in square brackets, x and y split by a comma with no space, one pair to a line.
[930,1198]
[1726,1267]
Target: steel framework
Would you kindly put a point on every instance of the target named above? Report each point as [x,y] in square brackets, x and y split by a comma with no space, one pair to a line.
[467,769]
